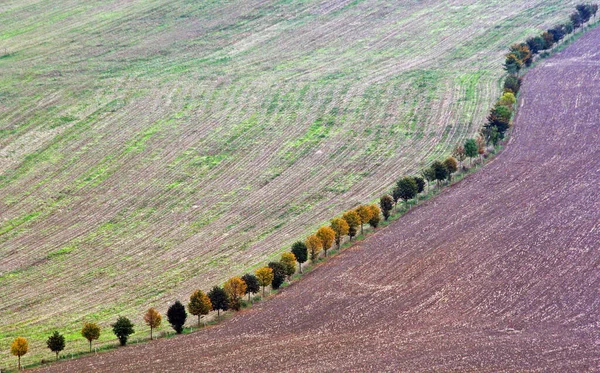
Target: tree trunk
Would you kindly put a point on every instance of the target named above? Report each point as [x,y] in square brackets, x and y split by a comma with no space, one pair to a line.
[90,346]
[218,313]
[300,265]
[199,320]
[56,355]
[361,229]
[263,291]
[150,333]
[19,357]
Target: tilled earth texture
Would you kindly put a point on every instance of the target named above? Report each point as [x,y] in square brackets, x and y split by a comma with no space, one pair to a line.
[499,273]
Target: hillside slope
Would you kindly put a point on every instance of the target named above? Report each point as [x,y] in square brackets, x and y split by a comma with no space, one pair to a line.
[499,273]
[150,147]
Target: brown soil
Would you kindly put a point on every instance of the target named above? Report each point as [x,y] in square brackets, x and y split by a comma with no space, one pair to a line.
[499,273]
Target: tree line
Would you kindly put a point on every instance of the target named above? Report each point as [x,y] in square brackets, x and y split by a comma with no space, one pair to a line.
[231,295]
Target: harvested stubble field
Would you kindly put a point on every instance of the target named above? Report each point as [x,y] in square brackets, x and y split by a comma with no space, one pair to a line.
[151,147]
[499,273]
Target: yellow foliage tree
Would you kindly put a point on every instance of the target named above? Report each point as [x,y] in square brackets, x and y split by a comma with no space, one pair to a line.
[289,262]
[235,288]
[314,245]
[264,276]
[199,305]
[364,213]
[353,221]
[19,347]
[341,228]
[326,235]
[375,216]
[152,318]
[90,331]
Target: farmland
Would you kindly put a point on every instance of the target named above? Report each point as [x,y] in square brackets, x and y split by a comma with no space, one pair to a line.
[499,273]
[151,147]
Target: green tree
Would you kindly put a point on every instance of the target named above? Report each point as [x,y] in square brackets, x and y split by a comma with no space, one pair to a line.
[440,171]
[326,235]
[252,286]
[219,300]
[235,288]
[451,165]
[289,262]
[340,228]
[314,245]
[199,305]
[386,202]
[375,216]
[123,328]
[19,347]
[353,221]
[278,274]
[512,65]
[176,316]
[265,277]
[153,319]
[56,343]
[300,251]
[512,84]
[500,118]
[428,174]
[407,188]
[91,332]
[471,150]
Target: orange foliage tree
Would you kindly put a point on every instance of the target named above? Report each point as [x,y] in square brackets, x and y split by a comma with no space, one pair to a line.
[326,235]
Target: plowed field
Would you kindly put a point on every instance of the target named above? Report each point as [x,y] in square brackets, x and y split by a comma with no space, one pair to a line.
[499,273]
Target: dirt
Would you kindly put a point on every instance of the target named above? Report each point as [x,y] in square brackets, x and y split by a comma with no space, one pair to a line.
[499,273]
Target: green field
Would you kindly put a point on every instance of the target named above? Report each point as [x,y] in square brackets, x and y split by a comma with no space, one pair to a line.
[151,147]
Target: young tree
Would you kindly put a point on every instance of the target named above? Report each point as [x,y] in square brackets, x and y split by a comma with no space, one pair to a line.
[265,277]
[500,118]
[576,20]
[300,251]
[512,84]
[153,319]
[451,165]
[375,216]
[235,288]
[353,222]
[252,286]
[523,53]
[568,27]
[440,171]
[56,343]
[314,245]
[507,99]
[387,204]
[340,228]
[364,213]
[471,150]
[407,188]
[548,40]
[176,316]
[19,347]
[123,328]
[420,185]
[513,64]
[326,235]
[428,174]
[199,305]
[480,147]
[289,262]
[278,274]
[219,300]
[460,154]
[536,44]
[90,331]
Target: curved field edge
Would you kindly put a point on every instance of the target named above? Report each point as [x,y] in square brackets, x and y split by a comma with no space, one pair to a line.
[173,125]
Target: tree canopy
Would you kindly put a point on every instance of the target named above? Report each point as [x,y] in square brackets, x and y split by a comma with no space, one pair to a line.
[199,304]
[91,332]
[265,277]
[123,328]
[176,316]
[219,300]
[153,319]
[326,235]
[300,251]
[56,343]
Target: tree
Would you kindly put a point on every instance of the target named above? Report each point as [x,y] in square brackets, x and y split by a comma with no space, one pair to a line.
[500,118]
[235,288]
[536,44]
[576,20]
[548,40]
[252,285]
[512,84]
[407,188]
[513,64]
[440,171]
[265,277]
[19,347]
[387,204]
[353,221]
[507,99]
[585,11]
[375,216]
[90,331]
[558,33]
[471,149]
[289,262]
[451,165]
[176,316]
[300,251]
[428,174]
[153,319]
[364,213]
[199,305]
[420,183]
[568,27]
[480,147]
[219,300]
[56,343]
[460,154]
[278,274]
[123,328]
[314,245]
[340,228]
[326,235]
[523,53]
